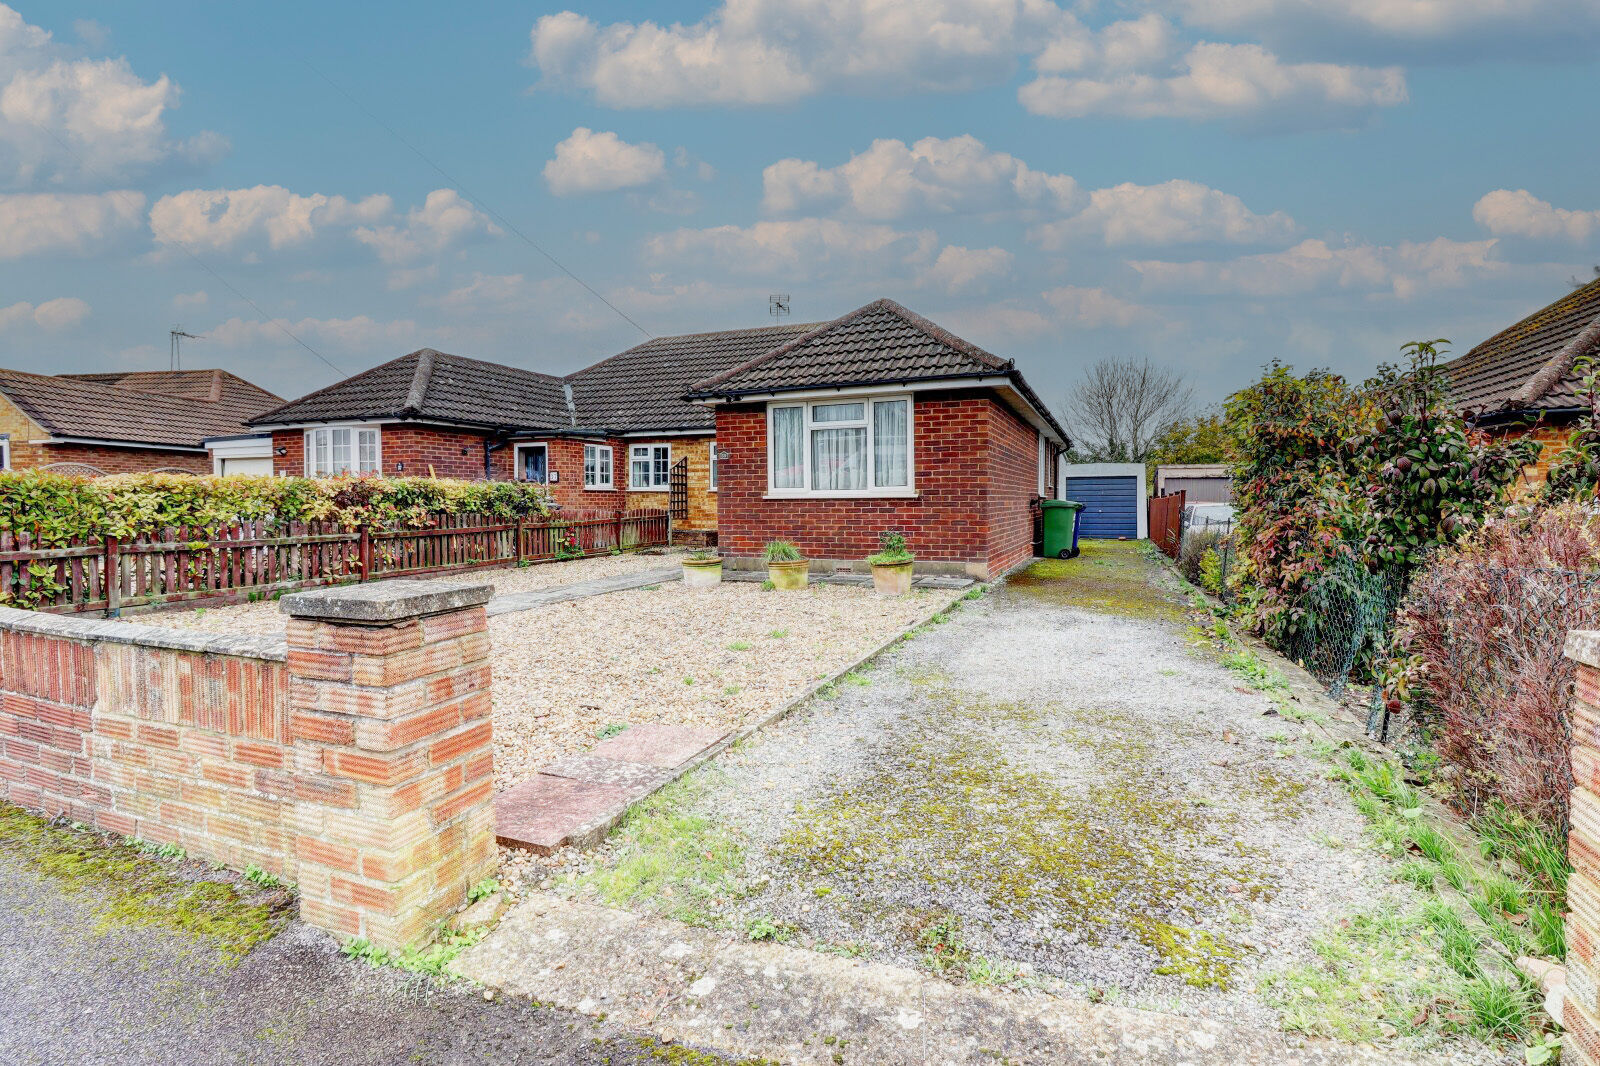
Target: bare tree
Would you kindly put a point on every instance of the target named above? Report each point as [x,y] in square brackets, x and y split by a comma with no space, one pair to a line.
[1122,406]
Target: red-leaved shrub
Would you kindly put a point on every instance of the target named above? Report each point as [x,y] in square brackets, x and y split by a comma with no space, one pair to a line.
[1486,622]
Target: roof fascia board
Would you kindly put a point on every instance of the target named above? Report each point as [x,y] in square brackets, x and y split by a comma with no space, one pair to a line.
[107,443]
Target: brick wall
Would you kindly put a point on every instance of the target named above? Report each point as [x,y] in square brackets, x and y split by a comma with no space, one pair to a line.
[27,455]
[971,471]
[702,501]
[1580,1012]
[1551,440]
[353,758]
[565,458]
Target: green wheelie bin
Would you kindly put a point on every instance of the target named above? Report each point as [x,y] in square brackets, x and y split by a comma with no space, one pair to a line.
[1060,528]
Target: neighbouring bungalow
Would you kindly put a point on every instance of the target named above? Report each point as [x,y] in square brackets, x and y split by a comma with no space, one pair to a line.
[119,423]
[1526,379]
[825,434]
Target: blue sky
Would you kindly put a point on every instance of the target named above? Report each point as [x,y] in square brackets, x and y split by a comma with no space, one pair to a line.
[1212,183]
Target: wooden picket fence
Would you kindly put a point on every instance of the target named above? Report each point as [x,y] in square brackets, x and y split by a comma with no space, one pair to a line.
[253,560]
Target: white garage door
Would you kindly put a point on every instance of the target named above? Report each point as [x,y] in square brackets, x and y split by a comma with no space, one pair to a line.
[248,466]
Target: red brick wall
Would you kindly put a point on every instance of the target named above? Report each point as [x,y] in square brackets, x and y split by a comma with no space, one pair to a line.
[976,464]
[1013,483]
[407,451]
[108,460]
[565,458]
[292,442]
[1552,439]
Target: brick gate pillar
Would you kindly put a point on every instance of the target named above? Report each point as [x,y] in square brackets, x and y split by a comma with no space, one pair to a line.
[1580,1011]
[389,708]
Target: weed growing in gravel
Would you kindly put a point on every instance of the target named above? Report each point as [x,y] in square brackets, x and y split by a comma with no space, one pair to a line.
[483,889]
[128,886]
[433,960]
[857,678]
[739,645]
[609,730]
[762,927]
[257,876]
[778,634]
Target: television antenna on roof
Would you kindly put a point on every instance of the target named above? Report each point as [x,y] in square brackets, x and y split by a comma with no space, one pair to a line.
[778,305]
[174,334]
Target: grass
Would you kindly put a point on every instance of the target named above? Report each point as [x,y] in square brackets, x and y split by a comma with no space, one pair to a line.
[739,645]
[609,730]
[433,960]
[139,884]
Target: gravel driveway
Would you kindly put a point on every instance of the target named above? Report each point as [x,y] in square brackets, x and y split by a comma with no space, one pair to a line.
[1061,788]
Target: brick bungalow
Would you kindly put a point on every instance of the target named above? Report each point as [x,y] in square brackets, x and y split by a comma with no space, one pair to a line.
[1525,381]
[944,441]
[118,423]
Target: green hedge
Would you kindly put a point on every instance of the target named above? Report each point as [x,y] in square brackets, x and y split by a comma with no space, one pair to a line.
[56,508]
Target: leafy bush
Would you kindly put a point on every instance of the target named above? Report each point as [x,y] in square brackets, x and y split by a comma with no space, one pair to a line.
[1484,626]
[891,550]
[55,508]
[782,551]
[1199,545]
[1575,472]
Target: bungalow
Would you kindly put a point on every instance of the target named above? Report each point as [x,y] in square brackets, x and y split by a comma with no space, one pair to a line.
[1526,380]
[825,434]
[116,423]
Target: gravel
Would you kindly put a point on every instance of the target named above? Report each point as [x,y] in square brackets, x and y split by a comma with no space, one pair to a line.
[265,619]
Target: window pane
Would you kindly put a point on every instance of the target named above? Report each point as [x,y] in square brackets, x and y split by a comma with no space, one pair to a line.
[319,452]
[591,465]
[341,450]
[369,450]
[837,412]
[711,478]
[838,459]
[788,448]
[605,466]
[639,475]
[891,444]
[663,461]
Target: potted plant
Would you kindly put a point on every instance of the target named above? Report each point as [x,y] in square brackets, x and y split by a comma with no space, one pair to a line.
[702,568]
[786,567]
[891,567]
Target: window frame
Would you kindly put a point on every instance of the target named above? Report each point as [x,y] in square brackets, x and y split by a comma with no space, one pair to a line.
[356,429]
[808,424]
[650,449]
[516,461]
[610,483]
[5,453]
[711,467]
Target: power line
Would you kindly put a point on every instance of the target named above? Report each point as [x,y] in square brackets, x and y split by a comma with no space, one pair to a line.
[138,209]
[480,201]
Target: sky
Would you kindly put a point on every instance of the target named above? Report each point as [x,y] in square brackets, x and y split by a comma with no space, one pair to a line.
[1213,184]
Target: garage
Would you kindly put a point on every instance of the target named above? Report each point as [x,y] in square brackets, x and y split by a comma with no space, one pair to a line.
[1113,498]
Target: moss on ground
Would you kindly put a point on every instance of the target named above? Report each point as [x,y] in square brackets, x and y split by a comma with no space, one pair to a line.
[947,816]
[1109,575]
[124,886]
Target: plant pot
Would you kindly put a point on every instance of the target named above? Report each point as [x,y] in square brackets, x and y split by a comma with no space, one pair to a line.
[702,573]
[891,579]
[790,575]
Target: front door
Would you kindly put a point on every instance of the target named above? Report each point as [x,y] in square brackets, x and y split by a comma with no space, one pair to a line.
[533,463]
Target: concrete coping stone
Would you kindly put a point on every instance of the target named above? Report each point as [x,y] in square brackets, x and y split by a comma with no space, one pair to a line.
[1583,645]
[115,631]
[391,600]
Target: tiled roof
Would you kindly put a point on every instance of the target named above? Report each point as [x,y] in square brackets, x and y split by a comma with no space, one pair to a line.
[643,387]
[233,393]
[1530,365]
[432,385]
[879,343]
[87,407]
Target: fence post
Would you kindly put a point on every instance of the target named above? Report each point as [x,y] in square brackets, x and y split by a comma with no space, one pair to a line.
[364,551]
[618,541]
[112,576]
[522,521]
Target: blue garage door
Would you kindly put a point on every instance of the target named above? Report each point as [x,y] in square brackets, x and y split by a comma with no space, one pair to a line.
[1110,505]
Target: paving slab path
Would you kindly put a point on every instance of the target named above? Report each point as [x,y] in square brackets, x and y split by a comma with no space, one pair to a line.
[1060,793]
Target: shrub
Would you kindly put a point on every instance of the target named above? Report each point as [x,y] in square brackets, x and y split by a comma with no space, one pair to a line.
[1199,545]
[1485,625]
[781,551]
[891,549]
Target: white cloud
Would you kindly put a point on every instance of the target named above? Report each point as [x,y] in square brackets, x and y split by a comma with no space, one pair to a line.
[222,219]
[1508,213]
[1399,22]
[935,175]
[1312,266]
[185,300]
[61,313]
[776,51]
[498,293]
[66,119]
[602,162]
[959,269]
[1093,308]
[34,223]
[1172,212]
[1223,81]
[359,333]
[444,221]
[794,249]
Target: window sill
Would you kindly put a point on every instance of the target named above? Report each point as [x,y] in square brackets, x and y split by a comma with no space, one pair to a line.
[879,494]
[663,488]
[599,488]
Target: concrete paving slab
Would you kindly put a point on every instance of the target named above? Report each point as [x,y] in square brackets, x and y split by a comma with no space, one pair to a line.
[637,777]
[666,746]
[546,812]
[578,590]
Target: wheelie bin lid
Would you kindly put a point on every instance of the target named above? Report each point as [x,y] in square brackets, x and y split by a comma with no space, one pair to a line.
[1074,504]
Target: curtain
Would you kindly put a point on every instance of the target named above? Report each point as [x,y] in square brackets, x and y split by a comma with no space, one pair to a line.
[341,450]
[890,444]
[838,459]
[788,448]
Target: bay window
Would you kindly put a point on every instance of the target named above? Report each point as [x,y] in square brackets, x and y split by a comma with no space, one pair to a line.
[333,450]
[597,466]
[840,447]
[649,467]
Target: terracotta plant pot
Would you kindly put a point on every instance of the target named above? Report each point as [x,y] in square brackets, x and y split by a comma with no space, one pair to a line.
[790,575]
[891,579]
[702,573]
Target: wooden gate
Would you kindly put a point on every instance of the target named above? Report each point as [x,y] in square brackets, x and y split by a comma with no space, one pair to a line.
[678,490]
[1166,522]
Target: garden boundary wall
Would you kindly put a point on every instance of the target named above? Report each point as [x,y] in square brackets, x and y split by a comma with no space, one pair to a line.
[352,757]
[1580,1010]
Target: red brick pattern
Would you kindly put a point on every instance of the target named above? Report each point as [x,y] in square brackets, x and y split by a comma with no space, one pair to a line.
[976,471]
[1581,1010]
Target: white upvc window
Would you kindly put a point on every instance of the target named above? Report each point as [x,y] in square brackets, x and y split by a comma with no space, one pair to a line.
[860,446]
[5,453]
[597,466]
[332,450]
[711,476]
[1043,451]
[649,467]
